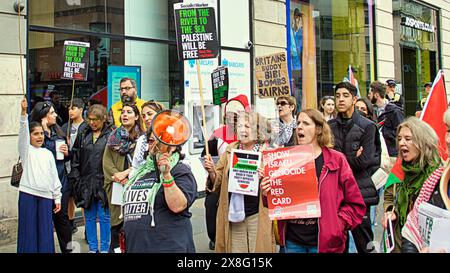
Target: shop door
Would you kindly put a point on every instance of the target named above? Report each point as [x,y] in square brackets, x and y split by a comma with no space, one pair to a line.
[409,80]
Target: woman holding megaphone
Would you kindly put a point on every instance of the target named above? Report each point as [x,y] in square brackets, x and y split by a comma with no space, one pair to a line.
[158,196]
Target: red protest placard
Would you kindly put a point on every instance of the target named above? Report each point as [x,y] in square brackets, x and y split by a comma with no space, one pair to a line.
[294,189]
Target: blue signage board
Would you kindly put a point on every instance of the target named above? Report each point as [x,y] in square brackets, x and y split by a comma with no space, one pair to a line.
[115,74]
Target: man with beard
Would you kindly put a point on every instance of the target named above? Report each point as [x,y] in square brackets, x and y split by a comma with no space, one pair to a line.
[128,93]
[389,116]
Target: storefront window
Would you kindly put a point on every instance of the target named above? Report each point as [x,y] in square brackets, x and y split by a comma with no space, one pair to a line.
[325,38]
[416,50]
[138,18]
[160,76]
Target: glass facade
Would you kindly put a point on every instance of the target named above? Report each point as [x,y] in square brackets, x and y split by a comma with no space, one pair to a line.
[325,38]
[136,33]
[416,50]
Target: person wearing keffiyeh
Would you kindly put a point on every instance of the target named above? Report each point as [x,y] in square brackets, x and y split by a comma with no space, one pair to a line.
[156,202]
[417,146]
[117,162]
[286,106]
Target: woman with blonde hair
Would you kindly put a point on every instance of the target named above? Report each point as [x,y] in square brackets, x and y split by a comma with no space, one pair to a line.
[417,146]
[341,204]
[246,227]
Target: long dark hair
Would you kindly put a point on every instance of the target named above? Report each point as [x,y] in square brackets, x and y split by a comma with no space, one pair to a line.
[40,111]
[134,134]
[369,106]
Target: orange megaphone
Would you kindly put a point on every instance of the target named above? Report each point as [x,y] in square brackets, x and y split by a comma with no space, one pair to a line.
[171,128]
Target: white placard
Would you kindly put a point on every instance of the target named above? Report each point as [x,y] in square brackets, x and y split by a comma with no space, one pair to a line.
[117,194]
[243,176]
[434,226]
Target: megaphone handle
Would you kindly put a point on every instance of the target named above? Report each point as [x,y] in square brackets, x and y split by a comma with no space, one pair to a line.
[202,107]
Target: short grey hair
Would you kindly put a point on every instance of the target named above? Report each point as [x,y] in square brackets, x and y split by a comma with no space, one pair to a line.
[133,81]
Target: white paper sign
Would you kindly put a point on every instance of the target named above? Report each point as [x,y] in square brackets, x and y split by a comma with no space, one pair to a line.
[434,226]
[243,176]
[58,144]
[117,194]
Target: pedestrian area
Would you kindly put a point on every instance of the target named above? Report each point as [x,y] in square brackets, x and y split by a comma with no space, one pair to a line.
[201,239]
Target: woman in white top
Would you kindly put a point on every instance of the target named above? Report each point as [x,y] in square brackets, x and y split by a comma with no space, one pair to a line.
[39,188]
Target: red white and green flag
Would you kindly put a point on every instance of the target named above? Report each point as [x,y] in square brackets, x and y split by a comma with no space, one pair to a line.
[432,113]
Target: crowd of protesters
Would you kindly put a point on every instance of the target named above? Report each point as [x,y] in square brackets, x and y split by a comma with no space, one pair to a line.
[95,151]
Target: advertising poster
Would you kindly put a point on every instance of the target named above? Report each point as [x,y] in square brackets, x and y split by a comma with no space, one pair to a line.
[272,78]
[243,177]
[195,25]
[220,85]
[294,188]
[301,38]
[76,60]
[115,74]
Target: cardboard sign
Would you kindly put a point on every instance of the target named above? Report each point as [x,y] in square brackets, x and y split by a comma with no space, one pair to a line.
[219,79]
[243,176]
[294,190]
[76,60]
[272,76]
[195,26]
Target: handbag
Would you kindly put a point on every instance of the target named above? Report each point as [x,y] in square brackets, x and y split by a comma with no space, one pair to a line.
[16,174]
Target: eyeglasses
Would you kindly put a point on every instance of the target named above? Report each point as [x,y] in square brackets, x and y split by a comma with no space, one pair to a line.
[282,103]
[93,119]
[126,88]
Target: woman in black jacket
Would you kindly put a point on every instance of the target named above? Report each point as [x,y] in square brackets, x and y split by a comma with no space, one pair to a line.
[87,177]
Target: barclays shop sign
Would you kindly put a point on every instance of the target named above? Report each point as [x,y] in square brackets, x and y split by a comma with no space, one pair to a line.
[413,23]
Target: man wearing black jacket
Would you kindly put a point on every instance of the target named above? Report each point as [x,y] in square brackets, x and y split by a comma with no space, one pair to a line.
[389,116]
[355,137]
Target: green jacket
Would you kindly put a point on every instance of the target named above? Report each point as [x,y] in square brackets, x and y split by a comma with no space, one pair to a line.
[113,162]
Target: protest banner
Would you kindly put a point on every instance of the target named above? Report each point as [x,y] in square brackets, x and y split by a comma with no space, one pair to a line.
[243,176]
[195,26]
[76,60]
[434,227]
[294,188]
[76,64]
[272,76]
[219,79]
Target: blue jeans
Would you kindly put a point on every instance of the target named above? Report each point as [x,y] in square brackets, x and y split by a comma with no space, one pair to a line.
[292,247]
[91,214]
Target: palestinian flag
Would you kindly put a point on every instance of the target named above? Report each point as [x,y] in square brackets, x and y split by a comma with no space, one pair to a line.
[433,113]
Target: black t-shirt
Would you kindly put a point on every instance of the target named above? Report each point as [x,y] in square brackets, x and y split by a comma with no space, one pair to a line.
[172,231]
[251,204]
[305,232]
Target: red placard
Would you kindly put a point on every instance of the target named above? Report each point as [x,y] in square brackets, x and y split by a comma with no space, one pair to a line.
[294,188]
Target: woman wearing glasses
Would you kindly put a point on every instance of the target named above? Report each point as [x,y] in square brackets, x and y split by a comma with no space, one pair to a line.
[45,114]
[149,110]
[87,177]
[117,161]
[286,125]
[327,108]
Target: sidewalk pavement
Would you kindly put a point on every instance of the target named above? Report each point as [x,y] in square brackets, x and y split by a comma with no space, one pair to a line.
[201,239]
